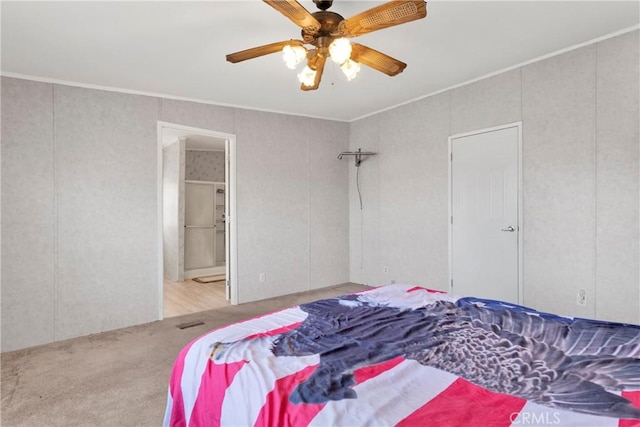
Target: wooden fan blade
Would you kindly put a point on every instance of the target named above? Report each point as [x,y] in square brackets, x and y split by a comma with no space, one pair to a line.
[376,60]
[255,52]
[316,62]
[386,15]
[296,13]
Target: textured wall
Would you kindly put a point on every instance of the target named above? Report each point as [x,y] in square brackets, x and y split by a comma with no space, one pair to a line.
[580,180]
[204,166]
[328,204]
[28,214]
[400,230]
[107,225]
[79,206]
[79,237]
[364,224]
[172,171]
[559,181]
[276,209]
[617,163]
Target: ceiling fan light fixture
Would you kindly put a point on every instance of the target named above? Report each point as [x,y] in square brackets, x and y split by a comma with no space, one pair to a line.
[350,69]
[328,33]
[340,50]
[307,76]
[293,55]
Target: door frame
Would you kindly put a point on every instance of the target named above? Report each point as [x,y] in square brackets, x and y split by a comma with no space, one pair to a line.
[519,227]
[230,208]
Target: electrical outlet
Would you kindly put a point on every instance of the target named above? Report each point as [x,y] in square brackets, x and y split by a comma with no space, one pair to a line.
[263,278]
[385,269]
[581,298]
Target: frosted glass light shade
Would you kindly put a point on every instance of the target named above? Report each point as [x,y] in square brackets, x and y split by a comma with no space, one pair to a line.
[340,50]
[307,76]
[350,68]
[293,55]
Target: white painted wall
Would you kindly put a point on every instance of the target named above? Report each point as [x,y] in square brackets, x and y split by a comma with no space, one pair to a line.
[580,180]
[79,206]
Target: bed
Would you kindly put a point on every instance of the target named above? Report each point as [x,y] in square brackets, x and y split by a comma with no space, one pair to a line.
[409,356]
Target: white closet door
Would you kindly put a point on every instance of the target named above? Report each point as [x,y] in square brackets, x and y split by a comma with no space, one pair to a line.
[484,178]
[199,235]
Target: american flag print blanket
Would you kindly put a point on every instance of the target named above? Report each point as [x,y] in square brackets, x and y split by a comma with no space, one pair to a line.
[407,356]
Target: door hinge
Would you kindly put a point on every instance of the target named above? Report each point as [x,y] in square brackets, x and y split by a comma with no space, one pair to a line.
[452,157]
[451,219]
[451,283]
[228,283]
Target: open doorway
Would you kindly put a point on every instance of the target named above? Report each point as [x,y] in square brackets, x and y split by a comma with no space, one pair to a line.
[196,217]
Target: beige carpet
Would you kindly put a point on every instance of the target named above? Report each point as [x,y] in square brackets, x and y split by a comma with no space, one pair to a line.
[116,378]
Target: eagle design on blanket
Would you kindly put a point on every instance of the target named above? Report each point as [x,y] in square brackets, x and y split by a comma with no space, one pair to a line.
[573,364]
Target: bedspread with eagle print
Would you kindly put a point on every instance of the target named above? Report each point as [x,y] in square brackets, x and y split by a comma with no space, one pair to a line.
[572,364]
[403,355]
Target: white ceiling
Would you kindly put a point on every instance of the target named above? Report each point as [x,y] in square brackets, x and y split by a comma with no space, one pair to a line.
[178,48]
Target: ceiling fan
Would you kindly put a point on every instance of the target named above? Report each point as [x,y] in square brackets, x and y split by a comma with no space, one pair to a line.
[327,32]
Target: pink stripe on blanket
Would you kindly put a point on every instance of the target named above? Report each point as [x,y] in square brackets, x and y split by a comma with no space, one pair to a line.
[634,397]
[215,381]
[464,403]
[278,411]
[366,373]
[175,388]
[273,332]
[420,288]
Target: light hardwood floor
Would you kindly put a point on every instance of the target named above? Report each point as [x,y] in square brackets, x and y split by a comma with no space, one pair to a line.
[191,297]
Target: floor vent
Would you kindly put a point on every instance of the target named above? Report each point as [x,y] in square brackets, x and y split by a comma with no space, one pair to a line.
[189,325]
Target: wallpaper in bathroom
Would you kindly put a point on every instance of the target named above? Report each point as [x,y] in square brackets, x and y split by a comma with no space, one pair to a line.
[204,166]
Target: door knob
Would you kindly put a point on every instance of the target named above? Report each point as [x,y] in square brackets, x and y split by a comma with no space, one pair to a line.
[510,229]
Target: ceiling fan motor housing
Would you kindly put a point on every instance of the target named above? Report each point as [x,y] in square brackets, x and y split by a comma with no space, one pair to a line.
[329,22]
